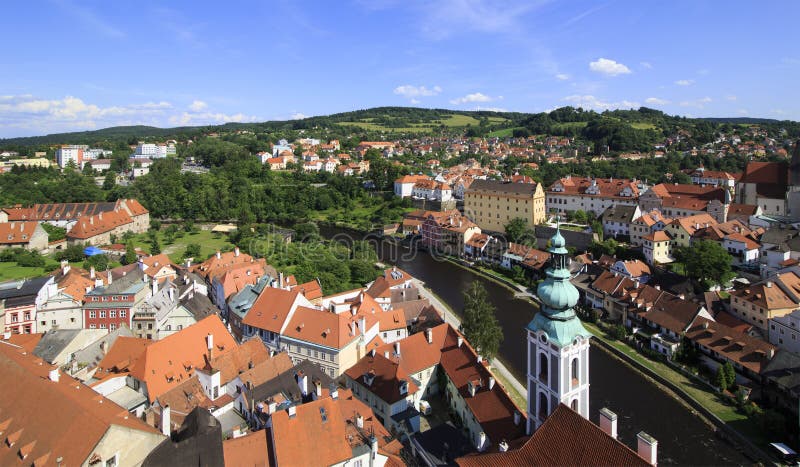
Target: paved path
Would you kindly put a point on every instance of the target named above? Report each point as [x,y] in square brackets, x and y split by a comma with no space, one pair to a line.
[451,318]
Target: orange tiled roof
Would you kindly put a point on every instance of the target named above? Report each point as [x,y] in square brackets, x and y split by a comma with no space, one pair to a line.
[251,449]
[48,419]
[88,227]
[271,308]
[386,376]
[122,355]
[17,232]
[170,361]
[750,352]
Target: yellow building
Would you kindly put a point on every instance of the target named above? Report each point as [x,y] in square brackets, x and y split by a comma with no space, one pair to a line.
[758,303]
[493,204]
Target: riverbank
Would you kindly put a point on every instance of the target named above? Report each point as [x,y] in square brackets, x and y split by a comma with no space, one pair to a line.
[513,386]
[695,394]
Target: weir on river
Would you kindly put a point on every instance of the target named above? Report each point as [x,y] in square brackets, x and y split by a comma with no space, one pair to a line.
[683,438]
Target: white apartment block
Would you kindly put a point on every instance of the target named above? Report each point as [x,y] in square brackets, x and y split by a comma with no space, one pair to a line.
[70,153]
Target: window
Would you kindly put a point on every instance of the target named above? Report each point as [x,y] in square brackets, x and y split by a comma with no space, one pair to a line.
[122,313]
[103,314]
[112,326]
[543,367]
[102,325]
[14,318]
[575,370]
[53,322]
[27,316]
[92,326]
[112,314]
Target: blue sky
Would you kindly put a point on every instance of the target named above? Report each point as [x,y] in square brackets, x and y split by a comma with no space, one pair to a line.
[73,65]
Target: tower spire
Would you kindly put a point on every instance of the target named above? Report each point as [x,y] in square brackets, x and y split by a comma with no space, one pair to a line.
[558,342]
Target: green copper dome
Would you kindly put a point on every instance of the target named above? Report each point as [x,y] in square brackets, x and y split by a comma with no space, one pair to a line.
[558,296]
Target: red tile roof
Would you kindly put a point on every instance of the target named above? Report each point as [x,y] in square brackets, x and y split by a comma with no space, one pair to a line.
[750,352]
[17,232]
[382,377]
[247,451]
[88,227]
[47,420]
[271,309]
[170,361]
[565,438]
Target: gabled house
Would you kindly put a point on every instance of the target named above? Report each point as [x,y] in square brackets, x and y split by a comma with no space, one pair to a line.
[48,417]
[21,300]
[617,220]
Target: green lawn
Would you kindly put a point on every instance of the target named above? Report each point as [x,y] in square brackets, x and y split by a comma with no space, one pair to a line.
[643,126]
[11,271]
[505,132]
[518,398]
[570,125]
[451,121]
[209,244]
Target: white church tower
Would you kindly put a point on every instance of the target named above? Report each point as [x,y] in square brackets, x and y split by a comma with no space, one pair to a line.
[558,345]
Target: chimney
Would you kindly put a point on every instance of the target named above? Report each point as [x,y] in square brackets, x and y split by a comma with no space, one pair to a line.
[460,341]
[166,423]
[503,446]
[481,441]
[236,251]
[171,292]
[302,382]
[318,388]
[65,266]
[517,417]
[429,335]
[292,411]
[92,272]
[682,296]
[210,345]
[363,324]
[359,420]
[54,375]
[280,280]
[6,335]
[608,422]
[647,447]
[218,254]
[472,389]
[479,359]
[397,348]
[334,391]
[372,353]
[491,382]
[104,347]
[188,263]
[272,407]
[110,279]
[154,283]
[386,354]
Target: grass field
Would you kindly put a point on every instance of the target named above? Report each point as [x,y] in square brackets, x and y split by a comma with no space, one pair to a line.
[643,126]
[209,243]
[451,121]
[505,132]
[11,271]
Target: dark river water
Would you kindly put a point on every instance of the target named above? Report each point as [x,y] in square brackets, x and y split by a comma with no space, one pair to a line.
[683,438]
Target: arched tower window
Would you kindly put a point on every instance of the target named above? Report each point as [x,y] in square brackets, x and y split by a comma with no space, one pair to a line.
[574,404]
[543,412]
[575,371]
[543,373]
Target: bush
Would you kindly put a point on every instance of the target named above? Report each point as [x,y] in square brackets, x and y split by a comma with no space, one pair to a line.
[617,332]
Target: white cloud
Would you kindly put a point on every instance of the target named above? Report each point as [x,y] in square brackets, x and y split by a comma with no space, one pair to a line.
[298,116]
[646,65]
[490,109]
[730,97]
[209,118]
[562,76]
[697,103]
[656,101]
[410,91]
[474,97]
[608,67]
[32,115]
[415,101]
[198,106]
[684,82]
[591,102]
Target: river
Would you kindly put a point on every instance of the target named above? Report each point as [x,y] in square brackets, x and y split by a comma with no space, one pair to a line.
[683,438]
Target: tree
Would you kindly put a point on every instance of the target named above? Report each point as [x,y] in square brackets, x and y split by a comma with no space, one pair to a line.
[98,262]
[192,251]
[730,374]
[479,324]
[110,181]
[720,380]
[130,253]
[516,229]
[155,247]
[707,262]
